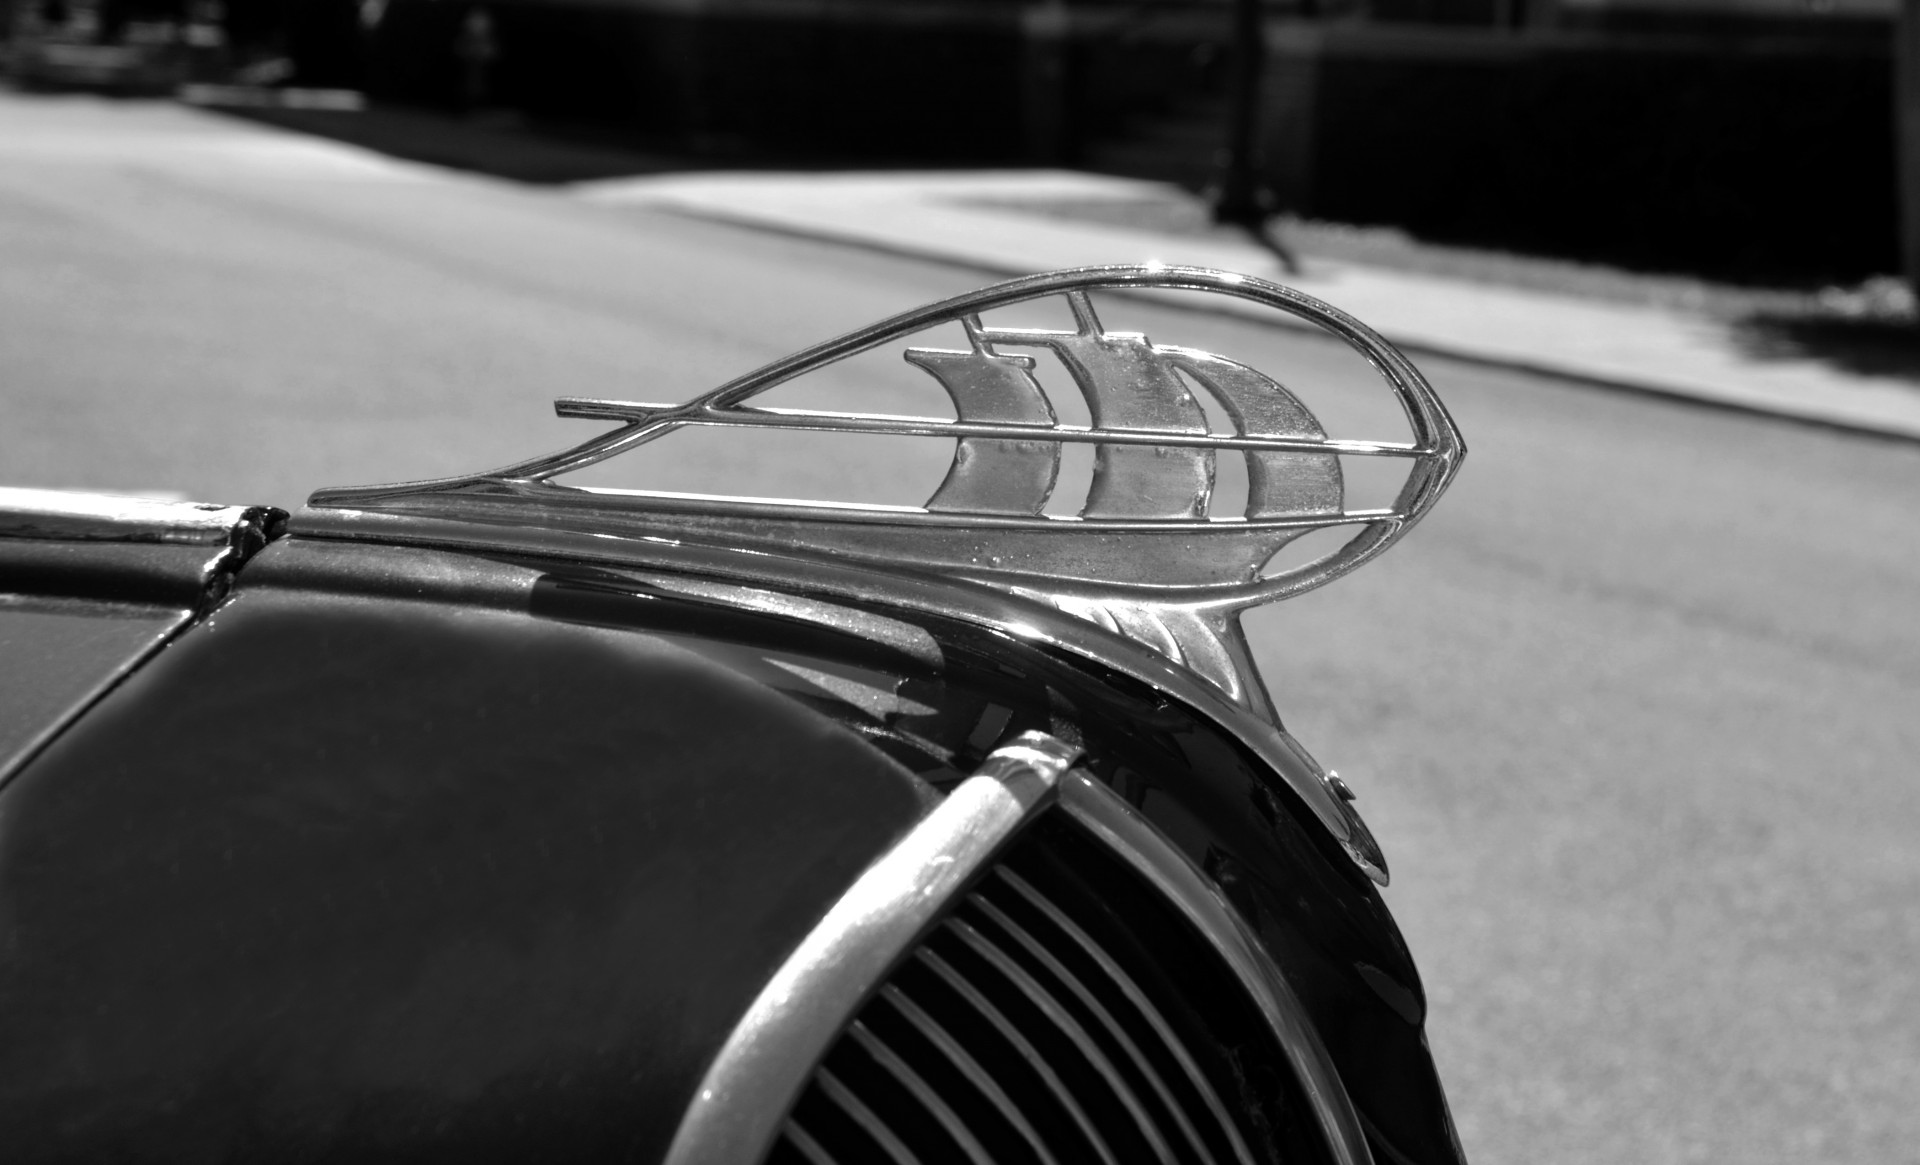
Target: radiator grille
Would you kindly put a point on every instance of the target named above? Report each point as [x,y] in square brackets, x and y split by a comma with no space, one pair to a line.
[1059,1014]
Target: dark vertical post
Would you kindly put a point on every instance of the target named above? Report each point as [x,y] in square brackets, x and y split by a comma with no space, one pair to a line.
[1906,123]
[1243,198]
[1044,34]
[1239,201]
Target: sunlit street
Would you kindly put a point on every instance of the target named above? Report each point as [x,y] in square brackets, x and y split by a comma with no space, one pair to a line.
[1633,714]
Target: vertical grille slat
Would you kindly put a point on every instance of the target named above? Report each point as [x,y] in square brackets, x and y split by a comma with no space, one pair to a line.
[868,1120]
[1151,1014]
[914,1083]
[1113,1026]
[1062,1095]
[1060,1010]
[809,1148]
[1063,1021]
[971,1069]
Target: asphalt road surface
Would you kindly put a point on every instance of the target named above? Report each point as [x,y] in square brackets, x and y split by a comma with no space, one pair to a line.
[1636,713]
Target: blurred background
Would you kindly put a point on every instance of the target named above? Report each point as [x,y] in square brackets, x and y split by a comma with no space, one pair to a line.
[1742,139]
[1635,713]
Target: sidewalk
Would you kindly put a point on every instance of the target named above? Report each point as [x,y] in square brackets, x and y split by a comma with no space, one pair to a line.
[953,217]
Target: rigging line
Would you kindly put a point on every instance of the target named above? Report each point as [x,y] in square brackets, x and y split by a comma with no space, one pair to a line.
[907,426]
[922,518]
[976,338]
[1082,306]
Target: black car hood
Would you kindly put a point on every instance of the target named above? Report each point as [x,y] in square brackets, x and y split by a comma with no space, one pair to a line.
[352,877]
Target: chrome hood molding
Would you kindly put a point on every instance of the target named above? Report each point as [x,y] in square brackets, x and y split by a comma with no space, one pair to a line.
[174,552]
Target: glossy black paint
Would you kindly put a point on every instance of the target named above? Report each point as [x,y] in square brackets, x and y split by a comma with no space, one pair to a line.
[356,876]
[58,654]
[91,586]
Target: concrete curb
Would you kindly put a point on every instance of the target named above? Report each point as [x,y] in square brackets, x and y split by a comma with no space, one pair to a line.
[952,217]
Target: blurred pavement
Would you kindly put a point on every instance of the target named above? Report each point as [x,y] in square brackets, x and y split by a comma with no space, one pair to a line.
[974,218]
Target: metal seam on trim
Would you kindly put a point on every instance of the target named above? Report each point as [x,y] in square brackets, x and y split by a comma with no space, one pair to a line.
[809,1148]
[921,1091]
[1076,1034]
[1113,1026]
[1011,1034]
[1139,999]
[963,1061]
[868,1120]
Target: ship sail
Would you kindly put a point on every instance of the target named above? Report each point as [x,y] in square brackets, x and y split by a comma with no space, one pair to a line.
[1279,484]
[1128,385]
[991,475]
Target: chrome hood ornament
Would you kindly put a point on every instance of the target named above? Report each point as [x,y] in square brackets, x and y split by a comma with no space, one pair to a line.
[1145,556]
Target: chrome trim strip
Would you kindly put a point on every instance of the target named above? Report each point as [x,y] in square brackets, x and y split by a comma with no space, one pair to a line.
[1140,845]
[137,549]
[743,1100]
[64,516]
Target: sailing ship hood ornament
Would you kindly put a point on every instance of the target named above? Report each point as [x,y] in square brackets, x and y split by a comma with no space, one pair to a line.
[1144,556]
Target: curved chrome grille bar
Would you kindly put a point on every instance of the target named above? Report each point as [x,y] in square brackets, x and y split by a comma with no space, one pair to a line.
[1101,812]
[743,1099]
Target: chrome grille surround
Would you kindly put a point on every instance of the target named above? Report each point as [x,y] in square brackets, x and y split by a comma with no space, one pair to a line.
[1182,885]
[1044,1018]
[1078,992]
